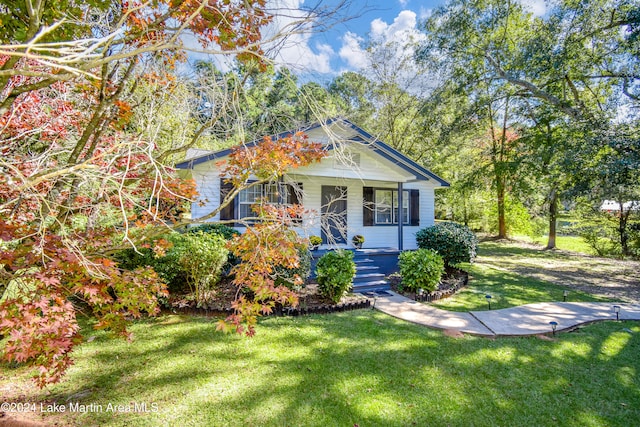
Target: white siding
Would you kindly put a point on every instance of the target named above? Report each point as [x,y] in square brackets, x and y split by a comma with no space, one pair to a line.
[375,236]
[371,166]
[207,178]
[368,170]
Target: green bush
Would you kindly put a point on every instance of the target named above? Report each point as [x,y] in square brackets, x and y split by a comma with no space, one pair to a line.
[201,256]
[286,276]
[193,263]
[454,242]
[224,230]
[166,266]
[335,272]
[421,269]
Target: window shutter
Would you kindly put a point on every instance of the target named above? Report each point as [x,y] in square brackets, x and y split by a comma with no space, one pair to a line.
[414,207]
[368,205]
[229,211]
[293,196]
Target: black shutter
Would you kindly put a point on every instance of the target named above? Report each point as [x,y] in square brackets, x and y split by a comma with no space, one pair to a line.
[229,211]
[414,207]
[293,196]
[368,205]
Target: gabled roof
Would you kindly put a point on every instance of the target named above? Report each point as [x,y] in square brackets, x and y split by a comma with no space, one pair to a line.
[377,146]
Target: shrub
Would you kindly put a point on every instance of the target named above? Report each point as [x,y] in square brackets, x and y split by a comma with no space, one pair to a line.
[201,257]
[454,242]
[224,230]
[335,272]
[421,269]
[166,266]
[193,263]
[287,276]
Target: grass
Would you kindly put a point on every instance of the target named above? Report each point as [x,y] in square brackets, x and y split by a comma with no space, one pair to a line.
[490,275]
[359,367]
[566,243]
[506,290]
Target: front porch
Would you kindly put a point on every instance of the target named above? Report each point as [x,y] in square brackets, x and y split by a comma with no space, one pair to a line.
[372,266]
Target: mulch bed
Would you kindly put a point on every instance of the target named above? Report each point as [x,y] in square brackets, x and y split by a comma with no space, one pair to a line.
[309,302]
[452,281]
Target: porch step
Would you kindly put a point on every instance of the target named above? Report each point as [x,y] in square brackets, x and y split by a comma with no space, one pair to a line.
[376,285]
[368,278]
[367,268]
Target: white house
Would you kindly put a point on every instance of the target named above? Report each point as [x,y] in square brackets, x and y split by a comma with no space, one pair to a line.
[362,187]
[613,206]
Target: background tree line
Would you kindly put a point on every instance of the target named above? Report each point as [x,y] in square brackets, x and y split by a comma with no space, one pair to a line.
[524,115]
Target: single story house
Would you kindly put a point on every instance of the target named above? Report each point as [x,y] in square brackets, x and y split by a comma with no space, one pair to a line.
[363,187]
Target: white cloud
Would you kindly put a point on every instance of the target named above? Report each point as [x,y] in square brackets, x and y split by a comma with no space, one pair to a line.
[390,56]
[403,3]
[352,52]
[403,28]
[424,13]
[537,7]
[294,50]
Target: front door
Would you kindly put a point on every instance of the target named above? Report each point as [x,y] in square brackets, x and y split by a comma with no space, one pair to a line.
[334,215]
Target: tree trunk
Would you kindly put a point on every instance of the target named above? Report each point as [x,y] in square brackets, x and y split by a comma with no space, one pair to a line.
[553,218]
[622,229]
[502,224]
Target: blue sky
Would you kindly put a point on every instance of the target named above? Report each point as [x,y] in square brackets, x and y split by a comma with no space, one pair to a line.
[322,55]
[329,53]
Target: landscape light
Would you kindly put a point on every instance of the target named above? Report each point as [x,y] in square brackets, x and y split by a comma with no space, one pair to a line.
[564,295]
[554,325]
[616,308]
[488,297]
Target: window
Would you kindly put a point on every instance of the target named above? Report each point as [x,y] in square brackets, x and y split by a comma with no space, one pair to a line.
[240,207]
[387,204]
[380,206]
[256,194]
[383,206]
[405,207]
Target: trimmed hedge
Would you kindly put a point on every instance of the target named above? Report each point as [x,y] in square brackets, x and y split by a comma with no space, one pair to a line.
[454,242]
[335,272]
[421,269]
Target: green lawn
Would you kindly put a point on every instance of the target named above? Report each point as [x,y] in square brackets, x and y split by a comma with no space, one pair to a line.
[359,367]
[491,275]
[506,290]
[566,243]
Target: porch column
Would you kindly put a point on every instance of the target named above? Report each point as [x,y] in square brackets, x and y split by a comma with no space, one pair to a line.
[400,221]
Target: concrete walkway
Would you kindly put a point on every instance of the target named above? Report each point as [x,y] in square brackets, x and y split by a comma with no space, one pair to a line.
[530,319]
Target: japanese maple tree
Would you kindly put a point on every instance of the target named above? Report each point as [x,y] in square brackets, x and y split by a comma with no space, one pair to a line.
[77,180]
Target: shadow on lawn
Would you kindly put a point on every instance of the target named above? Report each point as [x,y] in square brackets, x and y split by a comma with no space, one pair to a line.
[362,368]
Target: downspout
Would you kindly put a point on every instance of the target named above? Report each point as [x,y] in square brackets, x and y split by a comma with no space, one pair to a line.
[400,219]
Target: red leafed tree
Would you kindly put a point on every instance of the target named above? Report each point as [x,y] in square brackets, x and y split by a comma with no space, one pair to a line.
[81,178]
[78,181]
[271,242]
